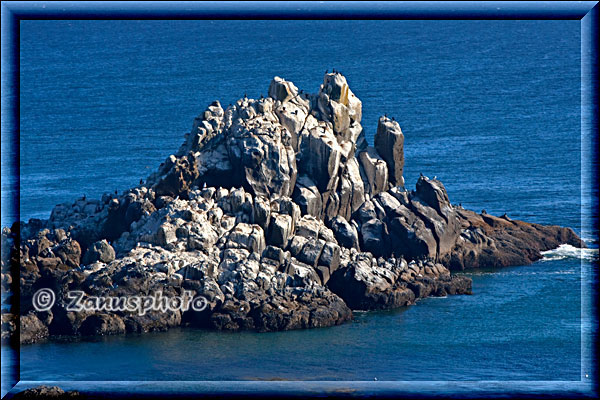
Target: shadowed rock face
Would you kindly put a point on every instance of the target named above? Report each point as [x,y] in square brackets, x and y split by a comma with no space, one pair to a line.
[277,212]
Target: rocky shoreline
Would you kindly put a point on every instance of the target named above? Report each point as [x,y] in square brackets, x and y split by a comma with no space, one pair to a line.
[278,213]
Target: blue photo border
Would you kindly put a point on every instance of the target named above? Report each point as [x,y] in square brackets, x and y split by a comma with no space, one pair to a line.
[12,12]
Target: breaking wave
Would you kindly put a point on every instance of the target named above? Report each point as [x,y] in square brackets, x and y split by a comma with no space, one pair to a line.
[567,251]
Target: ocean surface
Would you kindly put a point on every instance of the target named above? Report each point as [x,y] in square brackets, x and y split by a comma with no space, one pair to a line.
[492,108]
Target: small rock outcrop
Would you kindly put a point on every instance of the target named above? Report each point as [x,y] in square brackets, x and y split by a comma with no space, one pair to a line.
[47,392]
[278,213]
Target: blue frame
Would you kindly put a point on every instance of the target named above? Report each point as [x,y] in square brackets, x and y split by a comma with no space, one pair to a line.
[13,12]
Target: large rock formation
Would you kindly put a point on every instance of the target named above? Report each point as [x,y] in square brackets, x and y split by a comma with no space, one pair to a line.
[278,213]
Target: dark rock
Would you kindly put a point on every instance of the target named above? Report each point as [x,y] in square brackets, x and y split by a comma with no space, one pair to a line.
[9,326]
[345,234]
[102,324]
[490,242]
[311,252]
[373,234]
[178,175]
[330,256]
[274,253]
[280,230]
[411,238]
[364,287]
[32,329]
[47,392]
[69,252]
[307,196]
[99,251]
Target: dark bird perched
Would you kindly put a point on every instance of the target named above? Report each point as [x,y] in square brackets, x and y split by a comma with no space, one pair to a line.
[245,97]
[283,108]
[141,181]
[420,173]
[334,71]
[301,91]
[116,191]
[295,112]
[385,116]
[393,119]
[83,198]
[326,71]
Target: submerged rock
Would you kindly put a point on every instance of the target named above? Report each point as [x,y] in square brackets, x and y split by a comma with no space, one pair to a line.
[277,213]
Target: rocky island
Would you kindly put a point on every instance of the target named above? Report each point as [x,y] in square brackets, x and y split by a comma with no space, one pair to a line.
[278,212]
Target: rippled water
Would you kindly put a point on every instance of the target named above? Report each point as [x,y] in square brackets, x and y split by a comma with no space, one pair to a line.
[490,107]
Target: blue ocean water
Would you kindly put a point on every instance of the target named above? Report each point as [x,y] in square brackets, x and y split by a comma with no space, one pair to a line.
[492,108]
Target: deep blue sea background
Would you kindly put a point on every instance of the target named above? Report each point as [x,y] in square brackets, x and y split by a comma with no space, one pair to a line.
[490,107]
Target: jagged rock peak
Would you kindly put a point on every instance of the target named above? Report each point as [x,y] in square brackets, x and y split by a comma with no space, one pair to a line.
[270,144]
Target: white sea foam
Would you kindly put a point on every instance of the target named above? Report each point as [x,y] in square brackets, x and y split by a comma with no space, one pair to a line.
[567,251]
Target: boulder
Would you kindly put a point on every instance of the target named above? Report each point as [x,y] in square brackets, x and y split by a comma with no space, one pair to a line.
[311,252]
[246,236]
[411,238]
[434,194]
[308,227]
[445,231]
[345,233]
[389,143]
[373,234]
[319,157]
[282,90]
[375,170]
[267,159]
[307,196]
[176,176]
[261,212]
[330,257]
[102,324]
[99,251]
[32,329]
[280,230]
[364,286]
[69,252]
